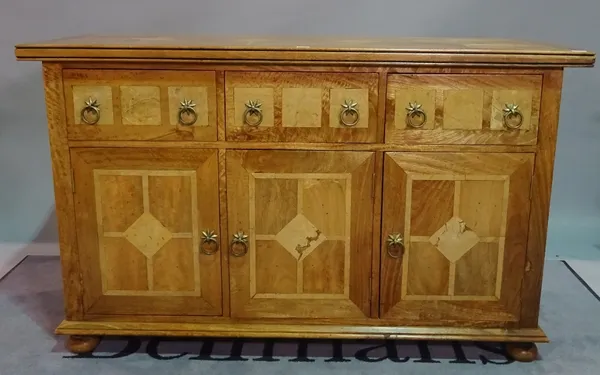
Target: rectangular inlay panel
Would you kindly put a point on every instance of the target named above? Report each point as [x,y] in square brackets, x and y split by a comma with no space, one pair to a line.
[478,216]
[319,206]
[199,98]
[339,97]
[83,95]
[311,259]
[301,107]
[151,232]
[263,96]
[463,109]
[452,211]
[140,105]
[477,271]
[523,98]
[422,96]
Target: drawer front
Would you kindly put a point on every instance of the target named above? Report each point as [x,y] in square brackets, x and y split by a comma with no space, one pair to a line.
[146,219]
[140,105]
[463,109]
[301,107]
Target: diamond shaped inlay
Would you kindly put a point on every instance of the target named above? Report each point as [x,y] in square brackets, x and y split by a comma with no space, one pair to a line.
[454,239]
[147,234]
[300,237]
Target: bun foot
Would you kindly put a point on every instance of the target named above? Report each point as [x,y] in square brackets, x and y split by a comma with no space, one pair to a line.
[82,344]
[522,352]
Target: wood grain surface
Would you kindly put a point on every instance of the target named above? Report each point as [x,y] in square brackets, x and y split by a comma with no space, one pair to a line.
[63,191]
[277,50]
[249,328]
[540,198]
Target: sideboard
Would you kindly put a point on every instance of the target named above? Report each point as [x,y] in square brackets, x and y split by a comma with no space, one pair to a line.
[315,188]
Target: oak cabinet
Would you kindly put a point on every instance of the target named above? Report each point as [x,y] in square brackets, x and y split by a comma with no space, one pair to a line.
[390,189]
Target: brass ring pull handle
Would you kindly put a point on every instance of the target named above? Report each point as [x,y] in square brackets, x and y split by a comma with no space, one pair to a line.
[414,112]
[91,106]
[239,245]
[395,246]
[513,118]
[187,107]
[253,110]
[349,110]
[209,244]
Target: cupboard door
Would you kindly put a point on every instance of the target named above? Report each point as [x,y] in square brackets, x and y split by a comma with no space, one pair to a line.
[308,218]
[142,216]
[462,220]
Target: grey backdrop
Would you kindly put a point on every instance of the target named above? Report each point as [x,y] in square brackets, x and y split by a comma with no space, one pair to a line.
[26,195]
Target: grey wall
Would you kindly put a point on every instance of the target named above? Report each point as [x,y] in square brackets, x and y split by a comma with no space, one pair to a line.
[26,196]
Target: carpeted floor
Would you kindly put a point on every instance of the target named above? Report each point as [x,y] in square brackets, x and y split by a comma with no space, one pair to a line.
[31,307]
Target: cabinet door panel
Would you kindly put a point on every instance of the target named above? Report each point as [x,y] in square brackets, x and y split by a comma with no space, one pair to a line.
[463,221]
[140,215]
[308,217]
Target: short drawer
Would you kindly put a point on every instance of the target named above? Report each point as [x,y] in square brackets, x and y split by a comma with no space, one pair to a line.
[463,109]
[301,106]
[140,104]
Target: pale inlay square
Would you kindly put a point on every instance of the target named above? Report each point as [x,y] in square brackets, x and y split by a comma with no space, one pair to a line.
[264,96]
[337,97]
[148,234]
[522,98]
[198,95]
[299,237]
[301,107]
[423,96]
[454,239]
[463,109]
[140,105]
[103,97]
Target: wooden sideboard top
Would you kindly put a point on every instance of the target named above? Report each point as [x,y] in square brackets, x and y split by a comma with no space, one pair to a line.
[313,50]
